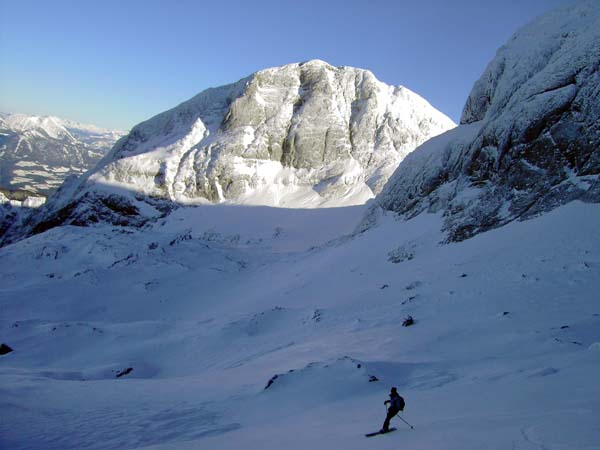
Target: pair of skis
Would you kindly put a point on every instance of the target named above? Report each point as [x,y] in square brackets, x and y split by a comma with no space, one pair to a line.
[377,433]
[380,432]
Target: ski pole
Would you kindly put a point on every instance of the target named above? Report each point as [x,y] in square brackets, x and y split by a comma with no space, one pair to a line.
[405,421]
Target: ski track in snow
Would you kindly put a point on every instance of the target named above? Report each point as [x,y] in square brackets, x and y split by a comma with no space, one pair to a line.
[504,352]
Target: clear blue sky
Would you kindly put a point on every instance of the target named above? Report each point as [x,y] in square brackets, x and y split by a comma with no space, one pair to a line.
[116,63]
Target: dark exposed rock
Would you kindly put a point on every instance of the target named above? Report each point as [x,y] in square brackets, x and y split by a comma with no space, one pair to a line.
[322,369]
[317,315]
[4,349]
[91,208]
[186,236]
[271,381]
[124,372]
[408,321]
[9,216]
[401,254]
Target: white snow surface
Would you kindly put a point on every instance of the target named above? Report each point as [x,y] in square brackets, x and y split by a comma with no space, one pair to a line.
[207,305]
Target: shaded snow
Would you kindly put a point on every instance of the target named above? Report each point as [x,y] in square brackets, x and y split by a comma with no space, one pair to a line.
[207,306]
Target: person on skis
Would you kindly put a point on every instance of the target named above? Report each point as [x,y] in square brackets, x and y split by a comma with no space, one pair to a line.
[396,405]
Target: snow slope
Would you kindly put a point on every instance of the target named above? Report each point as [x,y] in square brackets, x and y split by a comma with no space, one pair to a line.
[210,304]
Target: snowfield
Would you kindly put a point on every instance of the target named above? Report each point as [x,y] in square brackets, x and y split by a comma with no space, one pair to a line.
[209,305]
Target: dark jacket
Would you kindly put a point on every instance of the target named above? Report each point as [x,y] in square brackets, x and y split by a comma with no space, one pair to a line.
[396,402]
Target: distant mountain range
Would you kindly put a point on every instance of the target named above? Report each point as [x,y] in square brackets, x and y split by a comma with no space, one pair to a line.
[37,153]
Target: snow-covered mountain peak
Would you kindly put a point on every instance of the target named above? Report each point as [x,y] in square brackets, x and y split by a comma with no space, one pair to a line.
[48,126]
[58,129]
[304,134]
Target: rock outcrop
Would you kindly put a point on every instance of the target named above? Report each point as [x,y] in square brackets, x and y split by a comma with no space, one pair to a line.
[5,349]
[529,138]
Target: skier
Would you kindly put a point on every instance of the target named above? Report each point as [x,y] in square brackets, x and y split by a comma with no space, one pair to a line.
[396,405]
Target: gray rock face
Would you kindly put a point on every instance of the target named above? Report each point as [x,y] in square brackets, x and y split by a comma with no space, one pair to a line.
[38,153]
[529,138]
[304,135]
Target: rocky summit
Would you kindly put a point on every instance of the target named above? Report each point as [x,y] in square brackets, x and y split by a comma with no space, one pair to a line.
[301,135]
[529,138]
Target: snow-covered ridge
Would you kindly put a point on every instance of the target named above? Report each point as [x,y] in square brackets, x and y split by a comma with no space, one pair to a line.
[57,128]
[42,125]
[530,134]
